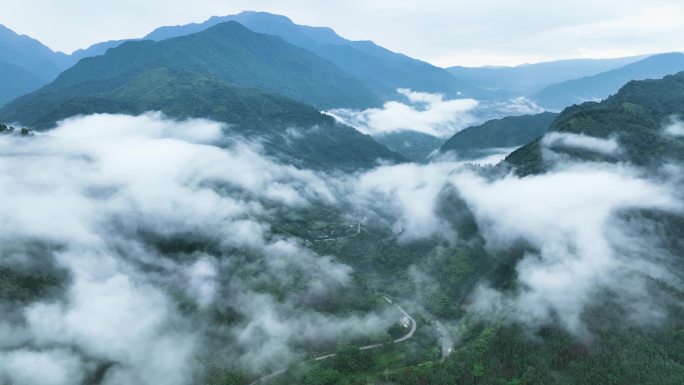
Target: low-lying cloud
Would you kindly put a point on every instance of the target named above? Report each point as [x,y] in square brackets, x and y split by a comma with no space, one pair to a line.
[675,127]
[571,218]
[115,197]
[582,224]
[430,114]
[427,113]
[151,217]
[608,146]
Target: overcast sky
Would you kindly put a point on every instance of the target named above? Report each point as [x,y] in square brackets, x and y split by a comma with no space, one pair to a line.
[443,32]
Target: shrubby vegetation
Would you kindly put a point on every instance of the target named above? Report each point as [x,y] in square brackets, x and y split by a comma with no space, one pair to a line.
[5,129]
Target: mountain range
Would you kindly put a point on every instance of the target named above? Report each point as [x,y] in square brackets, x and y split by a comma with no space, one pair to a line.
[381,69]
[292,262]
[25,64]
[226,73]
[28,64]
[260,55]
[604,84]
[559,84]
[527,79]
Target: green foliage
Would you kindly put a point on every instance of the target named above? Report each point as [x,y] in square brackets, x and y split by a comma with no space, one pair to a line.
[396,331]
[218,376]
[478,370]
[320,375]
[514,354]
[5,129]
[350,359]
[23,287]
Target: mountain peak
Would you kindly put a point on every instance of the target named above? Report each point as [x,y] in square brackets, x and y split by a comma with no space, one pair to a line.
[259,14]
[228,26]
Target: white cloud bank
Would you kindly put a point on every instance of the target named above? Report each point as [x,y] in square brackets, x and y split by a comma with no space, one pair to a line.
[572,220]
[427,113]
[570,217]
[105,193]
[608,146]
[430,114]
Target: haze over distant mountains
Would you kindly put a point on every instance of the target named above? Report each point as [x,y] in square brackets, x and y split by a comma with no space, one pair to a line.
[383,70]
[528,79]
[602,85]
[358,74]
[25,64]
[227,73]
[556,85]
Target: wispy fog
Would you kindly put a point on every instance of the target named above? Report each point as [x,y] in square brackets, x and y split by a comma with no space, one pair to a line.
[603,146]
[675,127]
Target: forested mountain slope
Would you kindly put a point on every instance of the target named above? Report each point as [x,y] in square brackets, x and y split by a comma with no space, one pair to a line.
[636,117]
[507,132]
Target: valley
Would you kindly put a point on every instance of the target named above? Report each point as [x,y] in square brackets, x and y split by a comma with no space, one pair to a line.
[247,199]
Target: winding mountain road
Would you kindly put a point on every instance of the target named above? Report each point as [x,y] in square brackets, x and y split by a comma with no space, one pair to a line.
[407,336]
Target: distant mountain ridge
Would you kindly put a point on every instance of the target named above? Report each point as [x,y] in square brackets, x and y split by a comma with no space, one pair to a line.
[382,70]
[600,86]
[30,54]
[25,64]
[15,81]
[236,55]
[528,79]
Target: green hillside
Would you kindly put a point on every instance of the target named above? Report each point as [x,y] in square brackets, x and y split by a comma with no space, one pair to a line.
[415,146]
[382,70]
[251,112]
[508,132]
[228,52]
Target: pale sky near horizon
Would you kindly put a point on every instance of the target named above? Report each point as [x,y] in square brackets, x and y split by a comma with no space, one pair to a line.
[443,32]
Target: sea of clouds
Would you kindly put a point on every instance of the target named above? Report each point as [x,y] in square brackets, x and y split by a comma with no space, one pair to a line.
[99,194]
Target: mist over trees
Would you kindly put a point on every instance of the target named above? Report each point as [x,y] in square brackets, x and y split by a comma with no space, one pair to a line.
[179,210]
